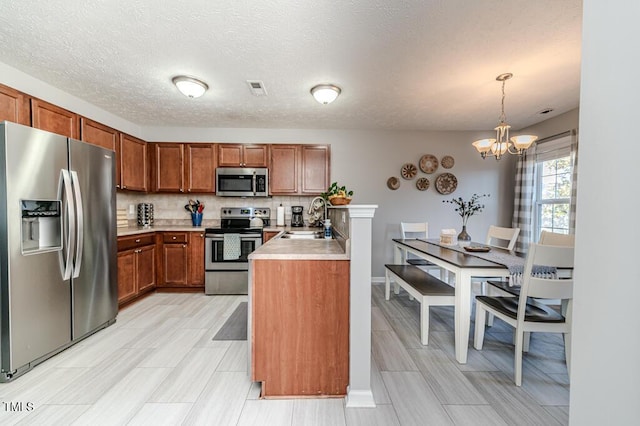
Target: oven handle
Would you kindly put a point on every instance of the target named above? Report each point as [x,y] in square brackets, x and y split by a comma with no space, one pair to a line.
[219,237]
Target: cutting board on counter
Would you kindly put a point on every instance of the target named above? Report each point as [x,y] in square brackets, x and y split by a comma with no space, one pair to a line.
[121,218]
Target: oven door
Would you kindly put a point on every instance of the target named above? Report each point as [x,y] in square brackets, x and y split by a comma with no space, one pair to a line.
[228,276]
[214,252]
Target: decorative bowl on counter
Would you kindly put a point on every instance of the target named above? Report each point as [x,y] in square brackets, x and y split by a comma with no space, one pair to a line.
[339,201]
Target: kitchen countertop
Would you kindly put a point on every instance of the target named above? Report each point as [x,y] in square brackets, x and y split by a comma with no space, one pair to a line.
[135,230]
[288,249]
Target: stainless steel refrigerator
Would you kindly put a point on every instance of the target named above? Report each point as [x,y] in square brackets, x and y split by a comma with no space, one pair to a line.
[57,244]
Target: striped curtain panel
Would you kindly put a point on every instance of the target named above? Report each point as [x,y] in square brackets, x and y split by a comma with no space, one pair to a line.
[574,182]
[523,208]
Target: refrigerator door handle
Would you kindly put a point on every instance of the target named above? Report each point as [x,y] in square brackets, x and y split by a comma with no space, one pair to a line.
[80,222]
[64,188]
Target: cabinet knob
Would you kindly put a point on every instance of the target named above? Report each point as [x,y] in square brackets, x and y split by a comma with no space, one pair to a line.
[184,245]
[181,190]
[124,186]
[189,189]
[201,235]
[138,240]
[174,238]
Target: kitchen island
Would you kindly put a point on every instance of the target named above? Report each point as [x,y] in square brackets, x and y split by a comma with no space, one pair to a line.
[299,318]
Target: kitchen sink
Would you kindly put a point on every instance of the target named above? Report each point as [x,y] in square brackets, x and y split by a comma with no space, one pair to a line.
[303,235]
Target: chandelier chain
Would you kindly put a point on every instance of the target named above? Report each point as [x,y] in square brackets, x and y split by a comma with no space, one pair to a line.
[503,117]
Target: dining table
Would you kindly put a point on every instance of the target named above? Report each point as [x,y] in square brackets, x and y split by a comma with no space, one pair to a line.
[464,265]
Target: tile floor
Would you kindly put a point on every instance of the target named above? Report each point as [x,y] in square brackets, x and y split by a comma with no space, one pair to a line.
[158,366]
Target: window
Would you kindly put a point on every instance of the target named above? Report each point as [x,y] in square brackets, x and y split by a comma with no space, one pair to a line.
[553,186]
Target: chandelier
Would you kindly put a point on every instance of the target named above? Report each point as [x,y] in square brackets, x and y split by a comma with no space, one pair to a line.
[502,144]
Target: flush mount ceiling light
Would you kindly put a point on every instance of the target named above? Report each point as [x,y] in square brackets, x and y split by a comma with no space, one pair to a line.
[502,143]
[325,93]
[189,86]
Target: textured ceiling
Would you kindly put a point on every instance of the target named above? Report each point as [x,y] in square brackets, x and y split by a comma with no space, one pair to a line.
[412,64]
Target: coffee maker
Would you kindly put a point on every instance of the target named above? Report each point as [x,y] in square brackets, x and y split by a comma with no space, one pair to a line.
[296,216]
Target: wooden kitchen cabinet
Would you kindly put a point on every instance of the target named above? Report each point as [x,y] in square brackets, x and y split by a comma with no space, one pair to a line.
[133,164]
[284,169]
[136,267]
[168,167]
[243,155]
[175,255]
[200,167]
[54,119]
[315,169]
[299,169]
[196,259]
[98,134]
[267,235]
[300,322]
[181,167]
[14,106]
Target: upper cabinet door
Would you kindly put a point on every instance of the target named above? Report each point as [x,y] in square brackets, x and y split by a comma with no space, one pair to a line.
[229,155]
[200,167]
[240,155]
[256,155]
[14,106]
[316,161]
[98,134]
[168,167]
[133,163]
[54,119]
[284,169]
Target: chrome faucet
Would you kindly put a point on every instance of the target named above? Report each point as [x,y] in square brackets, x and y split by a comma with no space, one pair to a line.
[313,209]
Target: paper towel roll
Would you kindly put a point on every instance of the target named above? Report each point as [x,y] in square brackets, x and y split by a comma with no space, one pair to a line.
[280,216]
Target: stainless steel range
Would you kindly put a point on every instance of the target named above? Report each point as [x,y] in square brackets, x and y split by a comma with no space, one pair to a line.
[227,248]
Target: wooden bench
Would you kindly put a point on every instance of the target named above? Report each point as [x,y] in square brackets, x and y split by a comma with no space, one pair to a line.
[422,286]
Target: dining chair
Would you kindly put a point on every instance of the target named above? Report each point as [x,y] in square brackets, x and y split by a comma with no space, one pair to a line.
[499,237]
[502,288]
[416,230]
[525,313]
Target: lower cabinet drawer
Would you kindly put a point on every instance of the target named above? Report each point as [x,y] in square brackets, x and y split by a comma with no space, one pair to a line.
[134,241]
[174,237]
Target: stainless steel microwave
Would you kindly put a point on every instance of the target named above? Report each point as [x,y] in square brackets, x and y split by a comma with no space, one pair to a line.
[242,182]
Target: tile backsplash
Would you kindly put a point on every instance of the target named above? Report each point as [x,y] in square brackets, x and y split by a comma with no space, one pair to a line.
[169,208]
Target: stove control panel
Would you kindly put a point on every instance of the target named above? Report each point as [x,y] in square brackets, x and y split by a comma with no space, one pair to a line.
[245,212]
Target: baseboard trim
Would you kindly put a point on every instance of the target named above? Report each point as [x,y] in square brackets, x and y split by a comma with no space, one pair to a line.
[360,399]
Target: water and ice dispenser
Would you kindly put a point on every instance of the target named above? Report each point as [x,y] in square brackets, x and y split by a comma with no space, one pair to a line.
[41,226]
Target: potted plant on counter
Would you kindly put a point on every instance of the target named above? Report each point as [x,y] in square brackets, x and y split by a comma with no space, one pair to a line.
[337,195]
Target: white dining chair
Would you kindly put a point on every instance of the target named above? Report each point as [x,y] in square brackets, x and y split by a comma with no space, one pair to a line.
[502,237]
[499,237]
[502,288]
[526,314]
[416,230]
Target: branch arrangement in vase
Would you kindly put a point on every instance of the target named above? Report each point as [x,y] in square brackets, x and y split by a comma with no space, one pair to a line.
[466,209]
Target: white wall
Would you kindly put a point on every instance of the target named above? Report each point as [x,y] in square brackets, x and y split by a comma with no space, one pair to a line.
[606,326]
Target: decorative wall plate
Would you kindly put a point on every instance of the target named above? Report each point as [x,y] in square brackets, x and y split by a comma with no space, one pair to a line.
[447,162]
[446,183]
[408,171]
[393,183]
[422,184]
[428,163]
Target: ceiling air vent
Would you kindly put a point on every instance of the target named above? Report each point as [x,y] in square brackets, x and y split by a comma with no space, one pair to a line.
[257,87]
